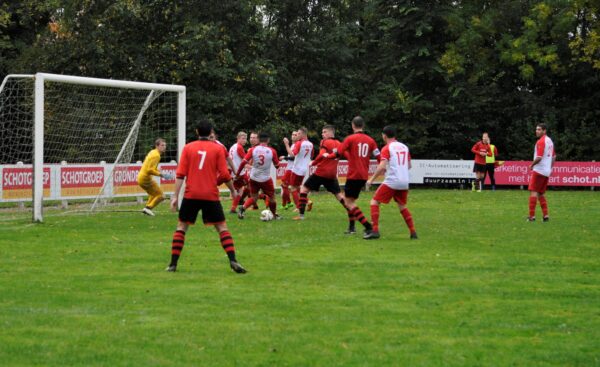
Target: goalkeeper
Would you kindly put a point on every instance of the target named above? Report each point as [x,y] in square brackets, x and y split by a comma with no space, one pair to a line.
[149,169]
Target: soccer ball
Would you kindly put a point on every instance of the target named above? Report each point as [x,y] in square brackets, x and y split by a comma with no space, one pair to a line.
[266,215]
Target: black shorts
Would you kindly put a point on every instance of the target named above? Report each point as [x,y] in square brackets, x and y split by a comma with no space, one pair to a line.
[479,168]
[313,182]
[212,211]
[352,188]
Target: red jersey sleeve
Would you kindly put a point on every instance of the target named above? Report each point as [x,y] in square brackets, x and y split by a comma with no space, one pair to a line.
[275,158]
[385,153]
[182,168]
[240,151]
[341,150]
[222,167]
[296,147]
[539,147]
[475,148]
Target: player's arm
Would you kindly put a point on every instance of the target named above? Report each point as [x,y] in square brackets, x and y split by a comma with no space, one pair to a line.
[319,157]
[338,152]
[224,172]
[180,173]
[286,142]
[275,158]
[539,153]
[475,149]
[378,171]
[244,162]
[152,165]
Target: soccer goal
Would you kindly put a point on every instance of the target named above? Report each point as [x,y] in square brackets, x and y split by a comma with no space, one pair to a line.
[80,137]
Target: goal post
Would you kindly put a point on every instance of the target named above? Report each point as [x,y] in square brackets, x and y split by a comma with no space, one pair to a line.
[86,120]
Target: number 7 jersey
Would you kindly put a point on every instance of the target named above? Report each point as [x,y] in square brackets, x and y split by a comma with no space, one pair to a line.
[201,162]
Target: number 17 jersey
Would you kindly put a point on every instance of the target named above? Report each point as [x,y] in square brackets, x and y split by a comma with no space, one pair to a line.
[398,159]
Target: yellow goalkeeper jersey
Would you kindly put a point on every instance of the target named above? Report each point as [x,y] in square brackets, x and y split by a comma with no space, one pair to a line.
[150,166]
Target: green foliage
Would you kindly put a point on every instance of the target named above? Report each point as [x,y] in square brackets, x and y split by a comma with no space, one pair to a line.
[442,71]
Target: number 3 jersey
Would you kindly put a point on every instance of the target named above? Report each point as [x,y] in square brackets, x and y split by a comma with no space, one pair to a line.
[398,160]
[262,157]
[201,162]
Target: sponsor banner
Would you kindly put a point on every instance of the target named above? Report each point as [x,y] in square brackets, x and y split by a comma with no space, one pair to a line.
[125,180]
[563,173]
[168,186]
[441,171]
[81,181]
[17,182]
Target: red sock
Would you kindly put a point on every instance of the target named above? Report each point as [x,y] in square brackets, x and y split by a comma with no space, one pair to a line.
[235,203]
[249,202]
[532,202]
[544,205]
[375,217]
[296,197]
[408,219]
[227,244]
[285,195]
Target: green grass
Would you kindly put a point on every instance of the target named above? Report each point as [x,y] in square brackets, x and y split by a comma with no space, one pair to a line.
[480,287]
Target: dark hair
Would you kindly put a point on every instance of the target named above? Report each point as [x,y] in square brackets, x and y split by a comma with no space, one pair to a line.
[389,131]
[159,141]
[358,122]
[330,128]
[263,137]
[542,126]
[204,128]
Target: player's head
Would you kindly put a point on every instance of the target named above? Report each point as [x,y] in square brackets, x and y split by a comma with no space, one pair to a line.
[212,136]
[328,132]
[160,144]
[263,137]
[242,138]
[204,128]
[358,123]
[253,138]
[540,129]
[294,136]
[302,133]
[485,137]
[388,132]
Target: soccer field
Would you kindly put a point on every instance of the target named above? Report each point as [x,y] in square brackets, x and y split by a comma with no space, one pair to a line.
[480,287]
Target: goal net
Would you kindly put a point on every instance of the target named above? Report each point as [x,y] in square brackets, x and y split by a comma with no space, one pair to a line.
[86,134]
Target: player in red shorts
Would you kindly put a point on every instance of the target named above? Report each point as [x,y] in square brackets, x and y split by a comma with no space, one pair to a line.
[286,203]
[543,161]
[358,149]
[395,162]
[262,157]
[302,152]
[326,172]
[201,162]
[236,154]
[481,149]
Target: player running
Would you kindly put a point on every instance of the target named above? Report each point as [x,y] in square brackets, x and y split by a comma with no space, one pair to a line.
[395,162]
[145,179]
[302,152]
[543,161]
[358,148]
[202,161]
[237,153]
[262,157]
[326,172]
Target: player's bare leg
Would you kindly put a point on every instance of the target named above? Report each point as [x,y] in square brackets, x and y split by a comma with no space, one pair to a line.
[177,245]
[227,244]
[251,201]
